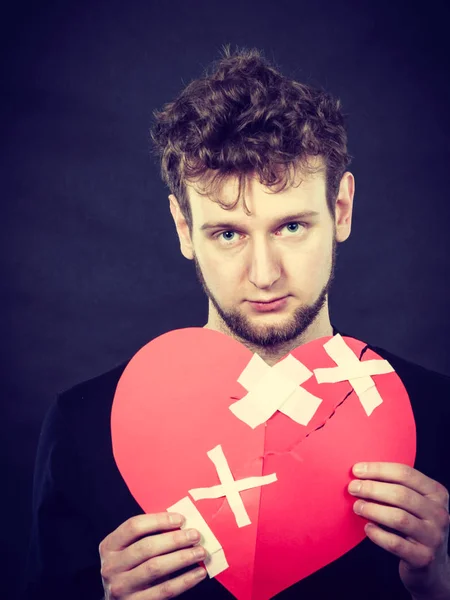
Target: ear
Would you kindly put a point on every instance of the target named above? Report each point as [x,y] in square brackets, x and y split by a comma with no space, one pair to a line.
[182,228]
[344,207]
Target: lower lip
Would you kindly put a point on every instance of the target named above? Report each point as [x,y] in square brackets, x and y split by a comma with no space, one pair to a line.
[269,306]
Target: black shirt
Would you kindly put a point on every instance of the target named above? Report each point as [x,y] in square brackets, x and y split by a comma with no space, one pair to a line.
[80,497]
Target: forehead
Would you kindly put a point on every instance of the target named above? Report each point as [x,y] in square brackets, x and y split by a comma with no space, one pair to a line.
[307,193]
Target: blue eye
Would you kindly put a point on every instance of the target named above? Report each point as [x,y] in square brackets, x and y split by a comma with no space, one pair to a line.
[294,227]
[226,233]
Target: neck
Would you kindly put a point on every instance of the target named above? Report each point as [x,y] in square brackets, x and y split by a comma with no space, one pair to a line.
[320,327]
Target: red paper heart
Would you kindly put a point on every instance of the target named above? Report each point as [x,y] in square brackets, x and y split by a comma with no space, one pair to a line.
[172,406]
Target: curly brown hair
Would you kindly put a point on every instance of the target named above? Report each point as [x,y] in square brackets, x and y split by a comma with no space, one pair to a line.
[244,117]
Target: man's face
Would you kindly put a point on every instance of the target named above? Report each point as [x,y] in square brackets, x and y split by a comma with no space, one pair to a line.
[284,250]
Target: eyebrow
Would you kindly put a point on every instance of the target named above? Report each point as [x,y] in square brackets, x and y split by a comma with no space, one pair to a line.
[307,214]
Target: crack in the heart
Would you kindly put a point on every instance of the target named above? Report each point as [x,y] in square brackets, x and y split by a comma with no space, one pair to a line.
[293,447]
[291,450]
[298,442]
[321,426]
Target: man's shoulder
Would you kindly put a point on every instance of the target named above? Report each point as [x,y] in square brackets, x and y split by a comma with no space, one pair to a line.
[419,381]
[428,390]
[412,370]
[94,395]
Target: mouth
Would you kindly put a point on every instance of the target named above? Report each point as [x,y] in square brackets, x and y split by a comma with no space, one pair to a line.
[268,305]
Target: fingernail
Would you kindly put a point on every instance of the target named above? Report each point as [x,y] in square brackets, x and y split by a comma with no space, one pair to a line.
[175,519]
[358,506]
[199,573]
[192,535]
[354,487]
[199,552]
[360,468]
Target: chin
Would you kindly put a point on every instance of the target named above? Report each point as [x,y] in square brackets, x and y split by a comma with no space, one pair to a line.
[264,322]
[269,317]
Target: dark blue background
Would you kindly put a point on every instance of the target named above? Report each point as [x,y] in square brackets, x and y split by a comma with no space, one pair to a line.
[90,262]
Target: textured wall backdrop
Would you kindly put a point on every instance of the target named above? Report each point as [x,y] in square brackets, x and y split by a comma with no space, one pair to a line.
[90,263]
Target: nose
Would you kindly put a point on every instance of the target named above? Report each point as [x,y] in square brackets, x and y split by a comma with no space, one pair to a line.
[264,269]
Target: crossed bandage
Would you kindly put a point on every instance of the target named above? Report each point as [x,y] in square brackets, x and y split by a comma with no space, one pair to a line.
[279,387]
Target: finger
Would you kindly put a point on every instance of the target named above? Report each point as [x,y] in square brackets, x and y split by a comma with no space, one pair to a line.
[404,475]
[125,586]
[139,526]
[155,545]
[416,555]
[394,495]
[159,567]
[173,587]
[399,520]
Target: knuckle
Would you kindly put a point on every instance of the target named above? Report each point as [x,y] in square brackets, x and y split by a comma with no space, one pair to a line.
[442,517]
[196,554]
[374,469]
[131,527]
[366,488]
[102,547]
[437,536]
[135,554]
[158,522]
[167,590]
[402,520]
[150,547]
[179,537]
[106,571]
[116,590]
[440,539]
[443,493]
[189,580]
[428,557]
[395,544]
[153,569]
[400,496]
[163,521]
[405,472]
[188,557]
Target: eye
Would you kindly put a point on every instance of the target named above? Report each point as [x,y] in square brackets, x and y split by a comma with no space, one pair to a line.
[293,227]
[228,236]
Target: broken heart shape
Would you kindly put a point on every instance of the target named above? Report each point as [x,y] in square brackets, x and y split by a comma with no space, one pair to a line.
[171,407]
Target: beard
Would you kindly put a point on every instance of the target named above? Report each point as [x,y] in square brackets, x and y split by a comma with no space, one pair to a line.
[271,335]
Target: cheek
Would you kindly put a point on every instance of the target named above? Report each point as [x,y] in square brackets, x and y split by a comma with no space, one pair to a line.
[219,271]
[311,266]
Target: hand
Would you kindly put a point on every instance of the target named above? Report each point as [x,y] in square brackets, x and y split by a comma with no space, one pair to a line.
[137,559]
[410,503]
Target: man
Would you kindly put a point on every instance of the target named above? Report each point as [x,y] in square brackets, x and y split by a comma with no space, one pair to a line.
[260,196]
